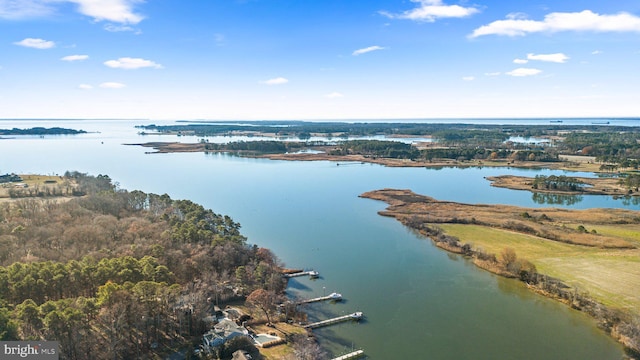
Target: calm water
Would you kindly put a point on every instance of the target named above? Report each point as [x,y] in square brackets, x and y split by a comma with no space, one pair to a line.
[419,301]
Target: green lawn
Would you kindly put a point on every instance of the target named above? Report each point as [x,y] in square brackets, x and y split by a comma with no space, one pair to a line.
[609,276]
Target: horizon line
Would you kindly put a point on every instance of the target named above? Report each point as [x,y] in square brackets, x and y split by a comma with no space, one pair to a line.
[331,120]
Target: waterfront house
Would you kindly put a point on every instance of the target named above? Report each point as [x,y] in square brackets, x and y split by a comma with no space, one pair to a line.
[222,332]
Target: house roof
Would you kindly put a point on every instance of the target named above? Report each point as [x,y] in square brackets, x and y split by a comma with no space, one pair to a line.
[223,331]
[227,327]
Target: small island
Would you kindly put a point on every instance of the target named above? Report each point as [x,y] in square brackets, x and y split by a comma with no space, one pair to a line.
[569,185]
[41,131]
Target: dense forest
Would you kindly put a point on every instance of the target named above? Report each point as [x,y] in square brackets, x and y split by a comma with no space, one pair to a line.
[617,147]
[555,182]
[262,147]
[377,148]
[116,274]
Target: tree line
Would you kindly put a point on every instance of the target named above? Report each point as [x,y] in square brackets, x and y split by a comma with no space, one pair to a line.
[266,146]
[376,148]
[557,182]
[119,274]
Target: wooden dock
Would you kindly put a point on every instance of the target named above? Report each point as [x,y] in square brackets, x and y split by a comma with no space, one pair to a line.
[355,316]
[311,273]
[352,355]
[330,297]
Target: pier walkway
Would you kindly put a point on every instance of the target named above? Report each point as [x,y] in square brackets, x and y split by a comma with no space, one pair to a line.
[355,316]
[311,273]
[331,297]
[351,355]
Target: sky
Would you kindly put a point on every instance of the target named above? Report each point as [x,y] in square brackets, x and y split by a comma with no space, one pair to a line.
[319,59]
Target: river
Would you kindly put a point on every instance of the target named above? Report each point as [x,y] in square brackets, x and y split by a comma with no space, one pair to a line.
[419,301]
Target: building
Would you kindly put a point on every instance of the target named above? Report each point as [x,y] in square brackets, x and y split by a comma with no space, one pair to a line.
[222,332]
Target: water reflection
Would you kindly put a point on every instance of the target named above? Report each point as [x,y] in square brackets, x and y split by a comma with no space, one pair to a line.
[630,200]
[513,287]
[556,199]
[453,257]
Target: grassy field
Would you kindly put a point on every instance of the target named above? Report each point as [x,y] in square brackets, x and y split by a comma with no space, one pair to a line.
[35,182]
[610,276]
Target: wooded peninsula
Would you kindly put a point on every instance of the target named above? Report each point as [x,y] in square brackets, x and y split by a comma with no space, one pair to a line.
[117,274]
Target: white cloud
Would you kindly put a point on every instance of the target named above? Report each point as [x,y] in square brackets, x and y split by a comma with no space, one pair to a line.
[121,28]
[520,61]
[334,95]
[431,10]
[87,86]
[556,58]
[366,50]
[496,73]
[112,85]
[585,20]
[75,58]
[519,72]
[119,11]
[36,43]
[128,63]
[275,81]
[596,52]
[468,78]
[23,9]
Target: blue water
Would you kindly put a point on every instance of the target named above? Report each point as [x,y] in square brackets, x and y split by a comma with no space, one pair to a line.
[419,301]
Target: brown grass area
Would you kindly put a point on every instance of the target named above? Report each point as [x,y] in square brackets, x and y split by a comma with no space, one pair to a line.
[36,182]
[169,147]
[548,223]
[598,186]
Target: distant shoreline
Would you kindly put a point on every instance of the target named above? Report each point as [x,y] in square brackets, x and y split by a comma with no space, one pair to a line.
[176,147]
